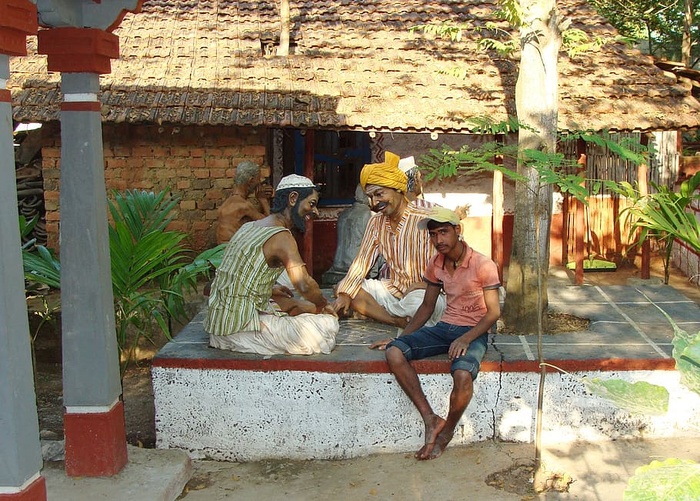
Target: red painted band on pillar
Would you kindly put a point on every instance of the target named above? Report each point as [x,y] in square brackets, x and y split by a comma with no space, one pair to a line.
[78,50]
[5,96]
[20,15]
[18,18]
[81,106]
[12,42]
[95,442]
[36,491]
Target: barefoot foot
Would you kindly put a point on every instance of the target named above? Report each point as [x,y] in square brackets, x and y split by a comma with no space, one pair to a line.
[441,442]
[433,427]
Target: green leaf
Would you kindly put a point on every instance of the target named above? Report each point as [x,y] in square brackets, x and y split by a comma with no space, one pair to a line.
[42,266]
[669,480]
[639,398]
[686,352]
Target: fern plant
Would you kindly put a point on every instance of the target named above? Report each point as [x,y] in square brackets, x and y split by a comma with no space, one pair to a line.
[152,270]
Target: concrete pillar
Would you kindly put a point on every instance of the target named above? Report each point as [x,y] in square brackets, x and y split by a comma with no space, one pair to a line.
[20,450]
[94,412]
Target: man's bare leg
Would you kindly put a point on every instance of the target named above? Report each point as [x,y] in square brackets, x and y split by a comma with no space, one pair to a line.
[462,391]
[366,305]
[410,384]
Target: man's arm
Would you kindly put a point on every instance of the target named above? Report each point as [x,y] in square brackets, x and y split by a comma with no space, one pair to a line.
[281,248]
[264,193]
[425,310]
[493,311]
[365,258]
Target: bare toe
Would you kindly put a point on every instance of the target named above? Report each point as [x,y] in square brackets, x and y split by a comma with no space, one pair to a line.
[433,427]
[440,445]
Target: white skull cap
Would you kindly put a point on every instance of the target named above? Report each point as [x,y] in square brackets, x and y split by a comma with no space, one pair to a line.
[295,181]
[406,164]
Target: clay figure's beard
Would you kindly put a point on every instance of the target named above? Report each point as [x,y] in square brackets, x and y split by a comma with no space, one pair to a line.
[298,220]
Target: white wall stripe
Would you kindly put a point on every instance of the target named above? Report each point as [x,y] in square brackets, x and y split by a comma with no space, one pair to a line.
[80,97]
[23,487]
[90,409]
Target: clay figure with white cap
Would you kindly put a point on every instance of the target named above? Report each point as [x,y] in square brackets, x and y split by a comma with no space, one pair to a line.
[248,311]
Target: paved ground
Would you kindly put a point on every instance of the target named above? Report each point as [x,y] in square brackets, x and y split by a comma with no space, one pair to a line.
[600,471]
[627,323]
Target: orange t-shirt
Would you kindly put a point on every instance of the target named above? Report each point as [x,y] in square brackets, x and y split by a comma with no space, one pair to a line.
[465,287]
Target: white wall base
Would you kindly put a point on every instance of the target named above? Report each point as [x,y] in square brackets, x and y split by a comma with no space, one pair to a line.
[243,415]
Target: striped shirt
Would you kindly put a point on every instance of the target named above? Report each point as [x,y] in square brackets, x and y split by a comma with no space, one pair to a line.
[243,283]
[406,250]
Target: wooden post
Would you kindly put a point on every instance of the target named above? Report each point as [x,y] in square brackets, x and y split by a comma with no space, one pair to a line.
[308,243]
[642,175]
[566,200]
[579,227]
[497,251]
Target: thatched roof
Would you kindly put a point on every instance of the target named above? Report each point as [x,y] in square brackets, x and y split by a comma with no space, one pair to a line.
[355,65]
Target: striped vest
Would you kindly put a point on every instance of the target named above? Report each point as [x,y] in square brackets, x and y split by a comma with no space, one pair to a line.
[243,283]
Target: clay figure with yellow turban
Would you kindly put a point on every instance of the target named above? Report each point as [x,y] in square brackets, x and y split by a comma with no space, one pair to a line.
[392,233]
[386,173]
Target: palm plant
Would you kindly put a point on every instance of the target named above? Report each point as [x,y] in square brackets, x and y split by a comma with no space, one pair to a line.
[152,270]
[662,215]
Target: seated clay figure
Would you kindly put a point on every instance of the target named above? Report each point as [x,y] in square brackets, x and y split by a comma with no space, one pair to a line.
[351,227]
[250,201]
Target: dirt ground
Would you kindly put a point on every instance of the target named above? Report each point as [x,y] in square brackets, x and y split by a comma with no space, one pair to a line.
[138,394]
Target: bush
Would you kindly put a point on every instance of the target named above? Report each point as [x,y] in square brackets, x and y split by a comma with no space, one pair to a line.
[152,270]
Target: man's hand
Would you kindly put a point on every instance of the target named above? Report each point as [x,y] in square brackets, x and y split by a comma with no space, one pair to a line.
[381,344]
[342,303]
[281,290]
[263,191]
[458,348]
[328,310]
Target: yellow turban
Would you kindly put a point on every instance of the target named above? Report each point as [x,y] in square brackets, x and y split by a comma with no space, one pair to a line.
[385,174]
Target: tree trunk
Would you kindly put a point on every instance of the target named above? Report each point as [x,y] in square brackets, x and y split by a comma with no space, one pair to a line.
[283,47]
[537,107]
[687,38]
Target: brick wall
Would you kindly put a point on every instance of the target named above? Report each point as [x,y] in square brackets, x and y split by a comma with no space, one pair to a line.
[197,163]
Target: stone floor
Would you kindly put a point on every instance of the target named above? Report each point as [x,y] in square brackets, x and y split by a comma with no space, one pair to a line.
[628,327]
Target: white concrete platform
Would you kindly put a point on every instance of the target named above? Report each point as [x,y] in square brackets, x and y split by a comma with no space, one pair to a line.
[253,415]
[231,406]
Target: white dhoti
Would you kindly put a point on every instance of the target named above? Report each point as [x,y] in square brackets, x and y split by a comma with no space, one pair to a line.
[407,305]
[304,334]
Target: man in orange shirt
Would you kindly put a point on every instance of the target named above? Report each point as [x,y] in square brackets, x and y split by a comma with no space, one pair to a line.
[471,282]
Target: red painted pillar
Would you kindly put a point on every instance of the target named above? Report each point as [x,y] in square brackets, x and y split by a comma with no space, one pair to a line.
[580,222]
[308,239]
[94,425]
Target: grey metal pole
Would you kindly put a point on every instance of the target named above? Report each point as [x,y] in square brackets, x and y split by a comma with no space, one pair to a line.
[20,450]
